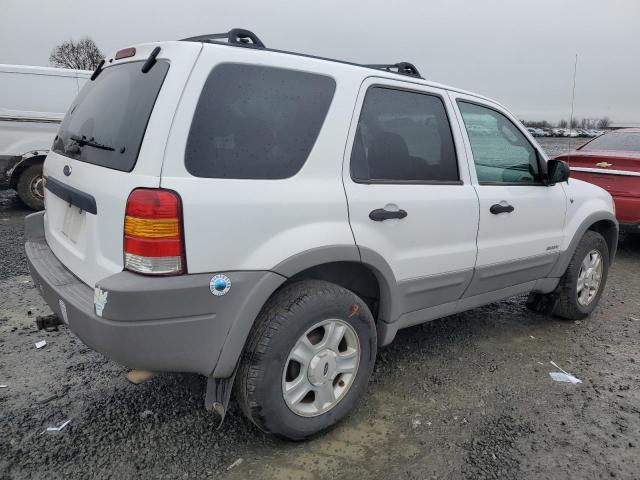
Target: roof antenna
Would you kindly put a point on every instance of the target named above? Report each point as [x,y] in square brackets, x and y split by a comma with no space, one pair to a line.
[573,99]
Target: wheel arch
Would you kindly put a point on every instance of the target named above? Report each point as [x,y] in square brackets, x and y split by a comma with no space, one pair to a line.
[609,230]
[371,278]
[605,224]
[28,159]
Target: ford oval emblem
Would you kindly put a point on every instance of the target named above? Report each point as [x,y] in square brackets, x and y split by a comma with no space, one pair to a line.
[66,170]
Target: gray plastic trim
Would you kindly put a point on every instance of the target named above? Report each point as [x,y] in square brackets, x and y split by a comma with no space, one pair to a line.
[162,324]
[317,256]
[391,304]
[424,292]
[565,257]
[494,277]
[387,331]
[34,225]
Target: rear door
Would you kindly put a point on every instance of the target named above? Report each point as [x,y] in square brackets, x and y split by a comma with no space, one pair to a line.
[521,219]
[409,193]
[98,156]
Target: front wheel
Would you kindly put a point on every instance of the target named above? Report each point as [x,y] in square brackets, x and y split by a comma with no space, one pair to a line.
[582,285]
[308,359]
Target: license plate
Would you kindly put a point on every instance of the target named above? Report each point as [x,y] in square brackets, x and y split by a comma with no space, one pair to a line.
[73,221]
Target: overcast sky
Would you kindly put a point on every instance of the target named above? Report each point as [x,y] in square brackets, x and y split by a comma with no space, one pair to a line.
[520,53]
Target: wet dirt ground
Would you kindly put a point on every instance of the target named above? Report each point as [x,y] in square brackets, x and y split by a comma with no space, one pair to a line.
[468,396]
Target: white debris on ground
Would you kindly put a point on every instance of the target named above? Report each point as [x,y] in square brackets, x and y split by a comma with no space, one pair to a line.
[416,422]
[41,343]
[59,427]
[235,464]
[563,376]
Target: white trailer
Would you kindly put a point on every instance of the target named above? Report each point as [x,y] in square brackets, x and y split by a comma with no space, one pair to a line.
[33,101]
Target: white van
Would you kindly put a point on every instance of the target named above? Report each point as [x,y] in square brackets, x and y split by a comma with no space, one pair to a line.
[33,101]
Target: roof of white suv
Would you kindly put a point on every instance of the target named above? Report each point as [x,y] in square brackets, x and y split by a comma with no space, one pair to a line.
[405,70]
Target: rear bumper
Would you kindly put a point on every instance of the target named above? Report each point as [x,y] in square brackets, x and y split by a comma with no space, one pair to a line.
[158,324]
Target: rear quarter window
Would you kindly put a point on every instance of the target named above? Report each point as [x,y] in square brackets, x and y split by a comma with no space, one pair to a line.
[256,122]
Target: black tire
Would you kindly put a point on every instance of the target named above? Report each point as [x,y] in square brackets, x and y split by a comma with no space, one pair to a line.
[283,320]
[567,305]
[26,187]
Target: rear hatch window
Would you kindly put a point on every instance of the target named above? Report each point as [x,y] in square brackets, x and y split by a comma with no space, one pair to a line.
[622,141]
[256,122]
[106,123]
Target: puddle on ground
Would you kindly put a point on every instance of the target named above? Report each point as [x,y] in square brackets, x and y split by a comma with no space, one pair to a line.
[363,443]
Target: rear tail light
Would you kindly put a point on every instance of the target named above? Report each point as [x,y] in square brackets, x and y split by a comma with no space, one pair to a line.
[153,234]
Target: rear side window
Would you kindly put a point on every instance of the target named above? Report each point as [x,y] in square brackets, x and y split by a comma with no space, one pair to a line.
[107,121]
[256,122]
[403,136]
[622,141]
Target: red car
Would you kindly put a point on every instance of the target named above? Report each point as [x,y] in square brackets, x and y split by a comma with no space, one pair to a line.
[612,161]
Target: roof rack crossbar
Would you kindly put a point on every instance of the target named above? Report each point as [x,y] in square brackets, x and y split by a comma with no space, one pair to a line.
[403,68]
[236,36]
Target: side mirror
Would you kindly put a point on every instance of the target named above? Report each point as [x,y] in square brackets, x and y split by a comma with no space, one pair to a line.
[557,171]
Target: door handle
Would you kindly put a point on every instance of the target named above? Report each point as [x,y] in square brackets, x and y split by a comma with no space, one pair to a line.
[497,208]
[380,214]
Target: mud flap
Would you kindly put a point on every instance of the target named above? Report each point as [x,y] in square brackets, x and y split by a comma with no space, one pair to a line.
[545,304]
[218,395]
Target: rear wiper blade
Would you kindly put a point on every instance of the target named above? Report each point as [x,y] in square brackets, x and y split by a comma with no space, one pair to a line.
[82,141]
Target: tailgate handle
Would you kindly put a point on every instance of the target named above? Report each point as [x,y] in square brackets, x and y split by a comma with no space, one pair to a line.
[71,195]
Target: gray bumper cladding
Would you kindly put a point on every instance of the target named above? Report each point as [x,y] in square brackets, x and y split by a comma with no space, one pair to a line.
[152,323]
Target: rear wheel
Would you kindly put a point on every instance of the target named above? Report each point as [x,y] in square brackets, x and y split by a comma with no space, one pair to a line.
[31,187]
[308,359]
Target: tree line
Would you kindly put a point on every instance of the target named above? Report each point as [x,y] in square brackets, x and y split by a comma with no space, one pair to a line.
[585,123]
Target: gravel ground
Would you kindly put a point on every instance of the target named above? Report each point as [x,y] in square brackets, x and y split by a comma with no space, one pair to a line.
[468,396]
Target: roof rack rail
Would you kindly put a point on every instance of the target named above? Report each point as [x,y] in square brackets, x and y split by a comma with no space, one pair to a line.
[240,37]
[403,68]
[236,36]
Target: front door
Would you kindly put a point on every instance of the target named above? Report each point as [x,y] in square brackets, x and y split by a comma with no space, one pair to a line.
[521,219]
[411,202]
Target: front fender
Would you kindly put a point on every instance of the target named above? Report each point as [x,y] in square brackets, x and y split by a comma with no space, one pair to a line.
[576,230]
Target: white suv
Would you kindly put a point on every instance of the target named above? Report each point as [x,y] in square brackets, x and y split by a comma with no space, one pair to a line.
[218,207]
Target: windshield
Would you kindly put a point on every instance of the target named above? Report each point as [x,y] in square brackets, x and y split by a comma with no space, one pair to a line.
[619,141]
[107,121]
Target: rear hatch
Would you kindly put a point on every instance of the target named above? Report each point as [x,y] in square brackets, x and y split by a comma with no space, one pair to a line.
[110,142]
